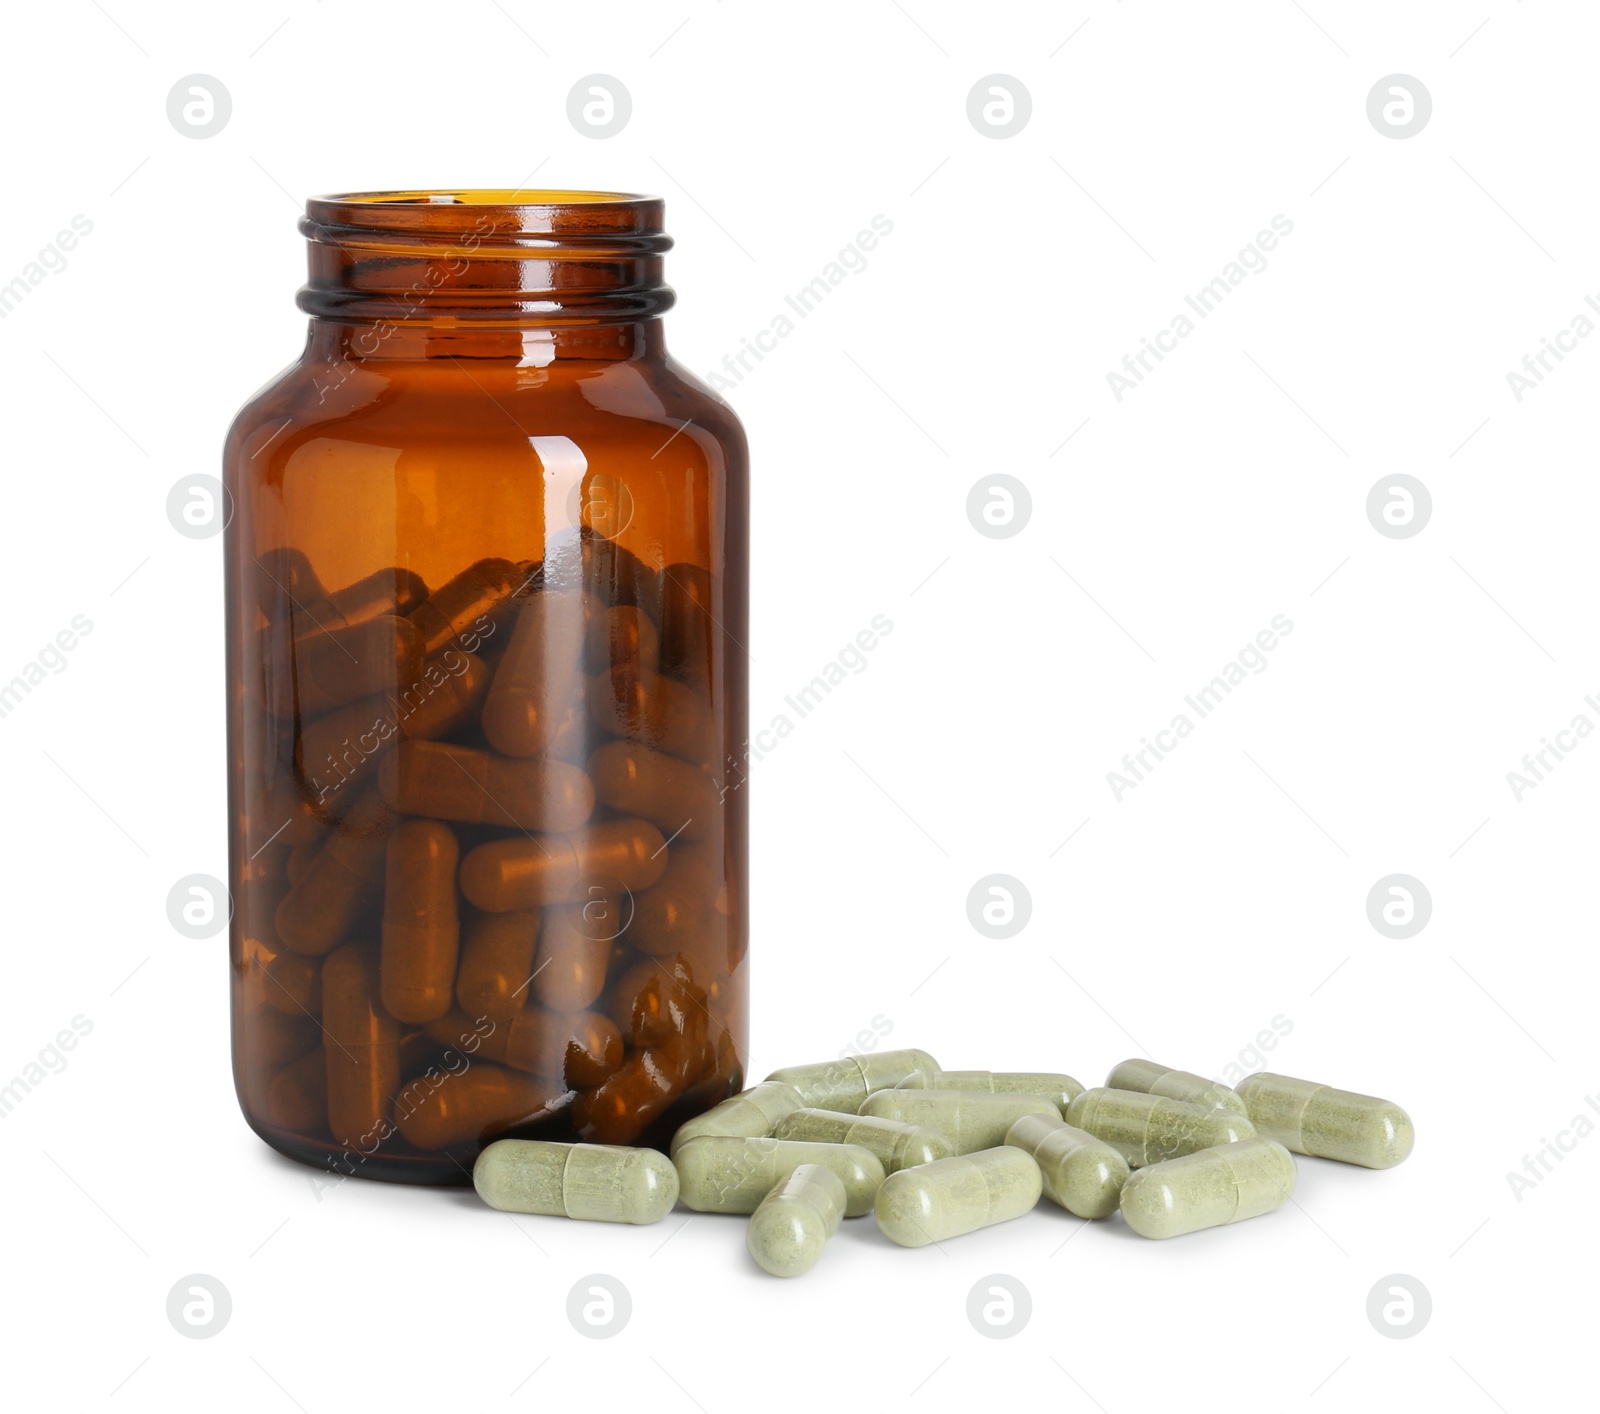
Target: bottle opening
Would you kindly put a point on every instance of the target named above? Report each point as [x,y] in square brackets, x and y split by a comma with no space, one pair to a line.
[491,255]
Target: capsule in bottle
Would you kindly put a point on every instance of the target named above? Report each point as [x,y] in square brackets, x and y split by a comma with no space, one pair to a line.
[896,1146]
[339,665]
[793,1223]
[621,634]
[538,674]
[1059,1090]
[844,1083]
[680,909]
[320,909]
[574,952]
[529,872]
[653,708]
[969,1119]
[464,609]
[479,788]
[1147,1129]
[421,932]
[588,1182]
[1081,1174]
[385,591]
[1324,1123]
[297,1099]
[342,749]
[954,1196]
[361,1043]
[1185,1085]
[720,1174]
[450,1109]
[292,982]
[1209,1188]
[580,1049]
[687,623]
[751,1114]
[496,969]
[647,1084]
[679,798]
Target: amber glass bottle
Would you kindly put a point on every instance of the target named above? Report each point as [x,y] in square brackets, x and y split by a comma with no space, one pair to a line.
[486,605]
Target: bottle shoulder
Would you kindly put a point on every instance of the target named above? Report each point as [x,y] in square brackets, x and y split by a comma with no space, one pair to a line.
[496,406]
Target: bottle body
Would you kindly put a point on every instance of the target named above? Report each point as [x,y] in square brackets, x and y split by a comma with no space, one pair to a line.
[486,669]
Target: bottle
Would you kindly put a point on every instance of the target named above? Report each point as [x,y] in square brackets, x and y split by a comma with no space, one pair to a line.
[487,569]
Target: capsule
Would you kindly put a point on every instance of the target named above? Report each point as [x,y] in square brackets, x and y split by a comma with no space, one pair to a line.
[362,1047]
[897,1146]
[653,708]
[292,982]
[580,1049]
[1147,1129]
[297,1099]
[1059,1090]
[681,799]
[532,871]
[680,909]
[793,1223]
[844,1083]
[465,607]
[955,1196]
[480,788]
[497,964]
[538,675]
[289,586]
[1317,1120]
[574,952]
[317,912]
[752,1114]
[475,1037]
[445,1111]
[969,1119]
[421,933]
[650,1081]
[622,634]
[342,664]
[583,1181]
[1210,1188]
[1081,1174]
[732,1175]
[385,591]
[1185,1085]
[650,1001]
[341,749]
[686,623]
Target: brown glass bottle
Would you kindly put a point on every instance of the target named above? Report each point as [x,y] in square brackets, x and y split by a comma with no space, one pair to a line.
[486,606]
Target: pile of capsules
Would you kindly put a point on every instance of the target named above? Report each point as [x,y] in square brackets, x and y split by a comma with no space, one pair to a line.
[939,1153]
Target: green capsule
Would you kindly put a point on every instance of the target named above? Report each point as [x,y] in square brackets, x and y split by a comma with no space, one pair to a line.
[1210,1188]
[969,1119]
[1059,1090]
[727,1174]
[794,1222]
[950,1197]
[1183,1085]
[1081,1174]
[1147,1129]
[897,1146]
[1307,1118]
[750,1115]
[843,1084]
[588,1181]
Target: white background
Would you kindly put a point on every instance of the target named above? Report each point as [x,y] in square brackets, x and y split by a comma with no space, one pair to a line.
[1168,528]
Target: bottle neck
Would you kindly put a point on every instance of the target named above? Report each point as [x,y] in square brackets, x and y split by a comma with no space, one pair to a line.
[528,345]
[474,274]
